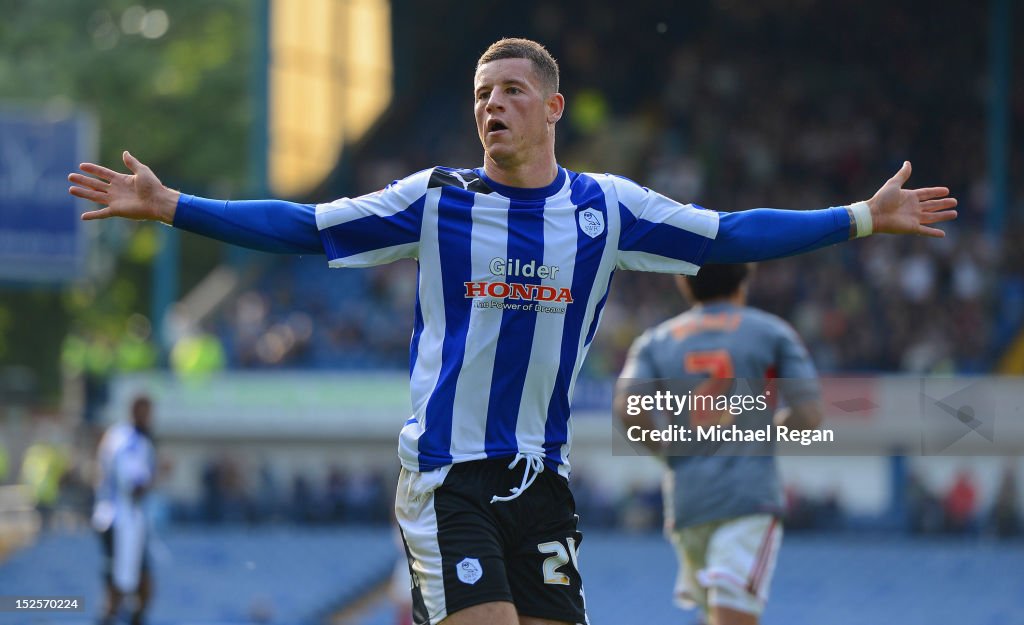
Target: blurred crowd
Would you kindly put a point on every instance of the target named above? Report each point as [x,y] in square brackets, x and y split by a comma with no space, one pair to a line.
[737,105]
[956,510]
[233,493]
[299,313]
[56,472]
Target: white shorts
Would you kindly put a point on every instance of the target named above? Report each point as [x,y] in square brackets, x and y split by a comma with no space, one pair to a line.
[727,563]
[124,543]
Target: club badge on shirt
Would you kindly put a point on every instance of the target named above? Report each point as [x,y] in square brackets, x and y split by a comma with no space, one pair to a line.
[591,222]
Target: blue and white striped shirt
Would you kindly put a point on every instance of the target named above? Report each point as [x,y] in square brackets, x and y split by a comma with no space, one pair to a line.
[126,460]
[512,283]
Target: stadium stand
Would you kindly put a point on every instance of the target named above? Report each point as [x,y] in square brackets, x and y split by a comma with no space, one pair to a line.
[725,126]
[225,576]
[818,580]
[822,579]
[233,576]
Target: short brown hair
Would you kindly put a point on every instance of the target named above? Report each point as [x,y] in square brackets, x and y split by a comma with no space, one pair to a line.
[515,48]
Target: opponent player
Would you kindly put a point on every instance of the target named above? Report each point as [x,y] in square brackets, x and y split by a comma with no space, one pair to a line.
[515,260]
[127,466]
[722,511]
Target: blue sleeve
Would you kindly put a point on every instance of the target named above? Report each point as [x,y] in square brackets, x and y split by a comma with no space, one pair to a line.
[766,233]
[265,225]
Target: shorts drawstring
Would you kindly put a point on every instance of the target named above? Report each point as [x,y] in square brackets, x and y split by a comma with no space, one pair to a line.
[534,467]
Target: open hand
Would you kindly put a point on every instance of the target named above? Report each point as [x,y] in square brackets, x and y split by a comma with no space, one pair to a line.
[896,210]
[137,196]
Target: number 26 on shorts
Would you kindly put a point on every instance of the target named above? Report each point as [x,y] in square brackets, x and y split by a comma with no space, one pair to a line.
[559,558]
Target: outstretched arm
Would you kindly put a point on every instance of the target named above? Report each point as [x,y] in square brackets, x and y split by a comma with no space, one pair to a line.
[265,225]
[765,233]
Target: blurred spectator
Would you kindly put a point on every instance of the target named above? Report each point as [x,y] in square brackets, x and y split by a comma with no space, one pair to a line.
[4,462]
[960,503]
[1006,510]
[365,497]
[211,498]
[197,356]
[89,358]
[75,501]
[234,489]
[43,467]
[267,504]
[335,495]
[224,496]
[304,504]
[924,508]
[805,512]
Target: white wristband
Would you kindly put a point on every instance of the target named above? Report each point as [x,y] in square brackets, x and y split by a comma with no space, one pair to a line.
[862,216]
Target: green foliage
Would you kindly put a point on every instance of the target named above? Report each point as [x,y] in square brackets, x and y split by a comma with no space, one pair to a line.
[179,101]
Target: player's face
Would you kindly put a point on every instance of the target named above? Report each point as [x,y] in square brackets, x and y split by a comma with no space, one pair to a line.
[142,410]
[515,115]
